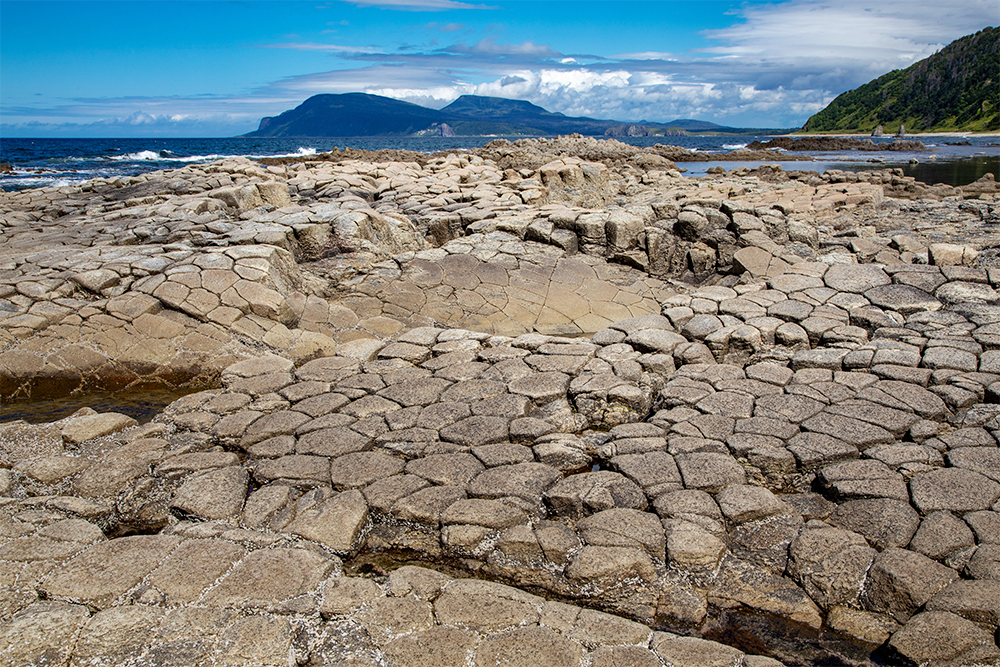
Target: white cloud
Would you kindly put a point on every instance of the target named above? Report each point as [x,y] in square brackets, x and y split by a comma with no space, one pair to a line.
[861,38]
[628,96]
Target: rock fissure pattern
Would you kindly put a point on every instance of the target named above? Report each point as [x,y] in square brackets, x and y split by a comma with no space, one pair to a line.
[496,363]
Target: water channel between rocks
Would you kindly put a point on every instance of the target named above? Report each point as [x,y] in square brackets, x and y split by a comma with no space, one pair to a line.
[141,406]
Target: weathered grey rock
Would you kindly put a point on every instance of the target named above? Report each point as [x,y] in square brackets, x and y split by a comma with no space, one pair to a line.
[527,481]
[691,547]
[529,646]
[656,472]
[884,522]
[962,292]
[353,471]
[440,645]
[331,442]
[675,650]
[941,534]
[426,505]
[580,495]
[107,570]
[863,478]
[624,528]
[985,525]
[298,468]
[709,472]
[860,434]
[977,601]
[902,299]
[482,604]
[216,494]
[453,469]
[901,581]
[830,564]
[337,522]
[985,562]
[268,577]
[741,503]
[857,278]
[937,635]
[193,567]
[476,430]
[116,635]
[88,427]
[42,634]
[610,565]
[487,513]
[953,489]
[814,449]
[342,595]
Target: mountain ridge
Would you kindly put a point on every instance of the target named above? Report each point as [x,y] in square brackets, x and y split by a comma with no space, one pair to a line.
[363,114]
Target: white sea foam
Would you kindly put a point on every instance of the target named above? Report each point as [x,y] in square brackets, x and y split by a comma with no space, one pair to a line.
[135,157]
[303,151]
[167,156]
[732,147]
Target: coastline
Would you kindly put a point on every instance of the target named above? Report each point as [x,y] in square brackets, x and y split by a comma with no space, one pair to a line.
[891,135]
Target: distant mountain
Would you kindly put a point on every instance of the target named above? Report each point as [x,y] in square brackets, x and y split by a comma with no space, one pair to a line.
[348,115]
[363,115]
[956,89]
[519,115]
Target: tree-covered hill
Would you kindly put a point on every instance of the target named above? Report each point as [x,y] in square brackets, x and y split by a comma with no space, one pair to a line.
[956,89]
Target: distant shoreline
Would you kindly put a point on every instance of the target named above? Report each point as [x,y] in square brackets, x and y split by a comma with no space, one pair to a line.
[893,135]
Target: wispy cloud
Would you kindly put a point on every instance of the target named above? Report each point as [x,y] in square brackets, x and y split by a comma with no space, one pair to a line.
[487,46]
[419,5]
[446,27]
[313,46]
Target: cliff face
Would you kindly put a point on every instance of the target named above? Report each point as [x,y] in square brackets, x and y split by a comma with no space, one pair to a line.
[956,89]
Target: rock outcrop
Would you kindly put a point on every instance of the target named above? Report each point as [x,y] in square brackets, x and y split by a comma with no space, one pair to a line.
[745,419]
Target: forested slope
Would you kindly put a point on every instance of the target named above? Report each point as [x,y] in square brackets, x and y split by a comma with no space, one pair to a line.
[956,89]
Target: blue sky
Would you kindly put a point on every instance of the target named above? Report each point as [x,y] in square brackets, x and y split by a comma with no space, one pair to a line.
[187,68]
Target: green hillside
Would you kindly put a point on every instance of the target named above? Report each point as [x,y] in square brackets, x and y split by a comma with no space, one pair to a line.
[956,89]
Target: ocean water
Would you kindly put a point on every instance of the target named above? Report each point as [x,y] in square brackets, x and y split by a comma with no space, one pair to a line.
[58,162]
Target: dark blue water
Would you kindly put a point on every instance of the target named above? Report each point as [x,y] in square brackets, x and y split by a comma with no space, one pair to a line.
[55,162]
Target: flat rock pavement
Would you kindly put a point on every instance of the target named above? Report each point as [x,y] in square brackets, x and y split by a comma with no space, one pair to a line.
[799,460]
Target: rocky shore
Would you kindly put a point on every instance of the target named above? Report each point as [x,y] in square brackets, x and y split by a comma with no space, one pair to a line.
[545,403]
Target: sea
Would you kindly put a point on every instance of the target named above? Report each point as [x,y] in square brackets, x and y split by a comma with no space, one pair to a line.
[38,163]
